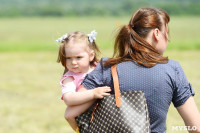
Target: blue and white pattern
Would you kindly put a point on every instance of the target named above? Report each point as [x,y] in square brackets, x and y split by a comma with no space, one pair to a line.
[162,84]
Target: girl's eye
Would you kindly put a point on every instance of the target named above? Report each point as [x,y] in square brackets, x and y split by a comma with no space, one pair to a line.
[79,57]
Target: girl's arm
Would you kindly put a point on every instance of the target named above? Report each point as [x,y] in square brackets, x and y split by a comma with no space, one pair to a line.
[190,114]
[77,98]
[73,111]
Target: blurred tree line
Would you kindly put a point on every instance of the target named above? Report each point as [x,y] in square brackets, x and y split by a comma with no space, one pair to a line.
[16,8]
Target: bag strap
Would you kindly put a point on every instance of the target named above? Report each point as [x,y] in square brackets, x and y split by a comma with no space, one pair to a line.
[116,85]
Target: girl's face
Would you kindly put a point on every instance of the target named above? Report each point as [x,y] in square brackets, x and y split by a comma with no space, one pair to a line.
[78,58]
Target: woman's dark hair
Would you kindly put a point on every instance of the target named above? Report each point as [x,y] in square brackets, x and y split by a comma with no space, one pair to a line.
[130,44]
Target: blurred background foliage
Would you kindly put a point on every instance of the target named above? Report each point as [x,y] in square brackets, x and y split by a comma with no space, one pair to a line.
[34,25]
[16,8]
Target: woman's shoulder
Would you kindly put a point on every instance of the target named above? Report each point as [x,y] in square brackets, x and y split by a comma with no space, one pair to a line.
[104,59]
[171,67]
[101,67]
[173,64]
[101,61]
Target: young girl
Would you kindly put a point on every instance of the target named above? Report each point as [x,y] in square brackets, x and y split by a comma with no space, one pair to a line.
[78,55]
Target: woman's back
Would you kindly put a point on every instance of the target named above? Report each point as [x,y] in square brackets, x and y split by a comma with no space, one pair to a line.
[138,54]
[161,84]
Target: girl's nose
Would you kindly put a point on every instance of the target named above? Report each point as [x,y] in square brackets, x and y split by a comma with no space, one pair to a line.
[74,62]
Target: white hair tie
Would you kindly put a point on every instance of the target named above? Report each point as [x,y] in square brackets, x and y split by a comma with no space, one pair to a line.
[62,38]
[92,36]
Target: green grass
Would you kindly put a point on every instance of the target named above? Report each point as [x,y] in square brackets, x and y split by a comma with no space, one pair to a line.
[29,85]
[39,34]
[30,91]
[184,33]
[35,34]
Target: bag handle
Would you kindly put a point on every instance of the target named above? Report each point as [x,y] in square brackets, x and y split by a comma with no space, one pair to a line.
[116,85]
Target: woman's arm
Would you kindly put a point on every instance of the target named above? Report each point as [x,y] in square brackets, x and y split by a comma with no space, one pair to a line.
[190,114]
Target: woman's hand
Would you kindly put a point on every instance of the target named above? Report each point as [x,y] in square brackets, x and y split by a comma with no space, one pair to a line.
[101,92]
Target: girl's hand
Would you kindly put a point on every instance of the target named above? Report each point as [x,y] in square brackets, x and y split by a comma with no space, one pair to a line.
[100,92]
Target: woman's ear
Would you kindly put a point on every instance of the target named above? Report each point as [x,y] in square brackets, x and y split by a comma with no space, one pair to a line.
[92,54]
[156,34]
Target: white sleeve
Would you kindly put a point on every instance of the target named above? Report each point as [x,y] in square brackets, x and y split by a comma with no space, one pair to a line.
[66,88]
[69,87]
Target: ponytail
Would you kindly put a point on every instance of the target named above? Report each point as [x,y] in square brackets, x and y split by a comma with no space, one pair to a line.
[130,44]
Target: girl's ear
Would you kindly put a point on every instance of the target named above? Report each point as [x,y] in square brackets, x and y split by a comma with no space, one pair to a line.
[92,54]
[156,34]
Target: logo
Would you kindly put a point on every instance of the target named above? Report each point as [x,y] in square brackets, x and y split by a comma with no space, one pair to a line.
[184,128]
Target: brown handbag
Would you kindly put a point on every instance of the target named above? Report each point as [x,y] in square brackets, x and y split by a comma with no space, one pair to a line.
[122,112]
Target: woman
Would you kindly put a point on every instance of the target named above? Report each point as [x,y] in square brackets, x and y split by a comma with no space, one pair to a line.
[138,53]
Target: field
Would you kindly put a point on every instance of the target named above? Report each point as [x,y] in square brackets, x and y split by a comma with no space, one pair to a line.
[29,85]
[38,34]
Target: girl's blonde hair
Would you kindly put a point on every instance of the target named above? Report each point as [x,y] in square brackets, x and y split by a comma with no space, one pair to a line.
[76,37]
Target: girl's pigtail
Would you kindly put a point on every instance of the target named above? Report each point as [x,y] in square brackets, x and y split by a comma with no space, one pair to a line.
[61,57]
